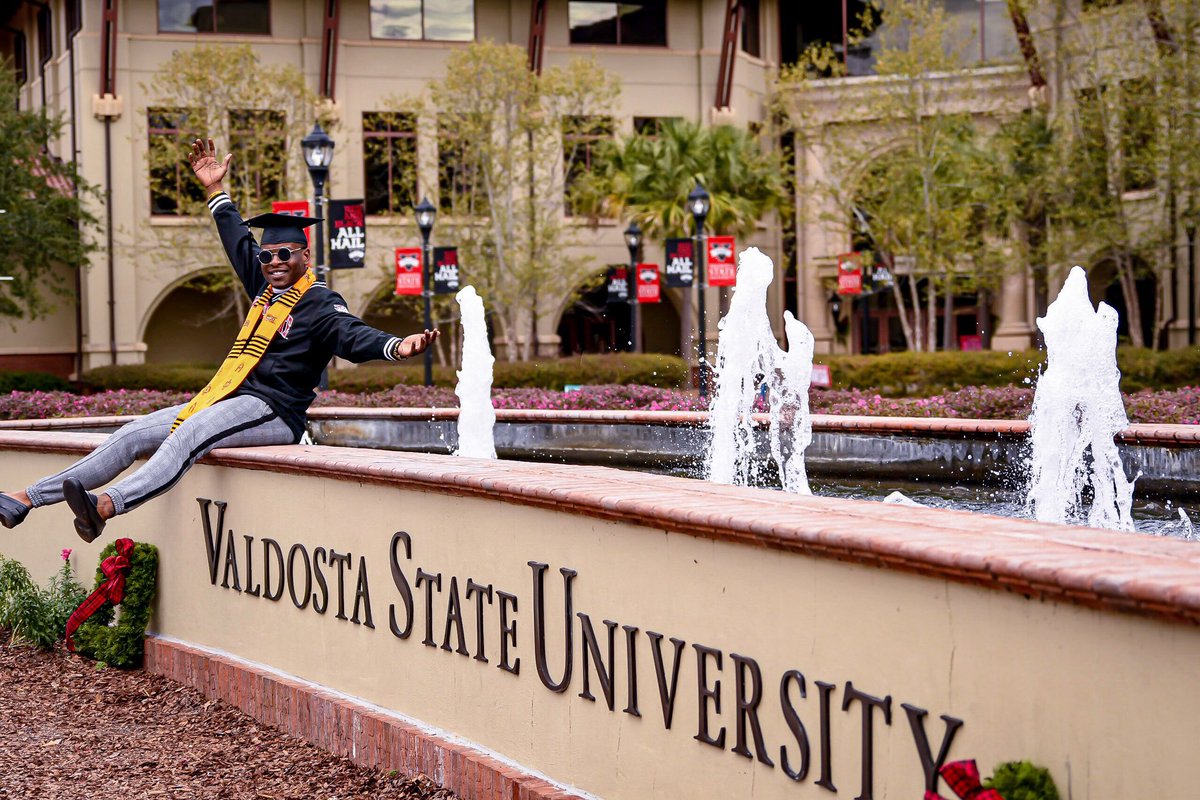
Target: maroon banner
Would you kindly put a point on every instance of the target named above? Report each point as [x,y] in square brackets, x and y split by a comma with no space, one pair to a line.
[722,270]
[293,208]
[410,277]
[618,284]
[849,274]
[347,234]
[680,265]
[648,290]
[446,279]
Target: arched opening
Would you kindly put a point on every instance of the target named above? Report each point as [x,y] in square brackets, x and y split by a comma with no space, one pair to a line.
[197,321]
[1104,285]
[397,315]
[593,325]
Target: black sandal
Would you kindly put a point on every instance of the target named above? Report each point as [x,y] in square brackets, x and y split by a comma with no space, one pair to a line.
[88,522]
[12,511]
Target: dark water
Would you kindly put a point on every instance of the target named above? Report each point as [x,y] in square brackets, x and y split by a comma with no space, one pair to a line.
[1157,516]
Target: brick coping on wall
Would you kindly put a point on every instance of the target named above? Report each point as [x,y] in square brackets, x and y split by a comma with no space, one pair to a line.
[1142,574]
[368,735]
[936,427]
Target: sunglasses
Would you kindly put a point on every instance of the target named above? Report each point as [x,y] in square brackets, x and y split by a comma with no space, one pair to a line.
[267,256]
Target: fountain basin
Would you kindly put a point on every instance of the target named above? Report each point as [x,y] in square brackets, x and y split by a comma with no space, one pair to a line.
[908,613]
[983,452]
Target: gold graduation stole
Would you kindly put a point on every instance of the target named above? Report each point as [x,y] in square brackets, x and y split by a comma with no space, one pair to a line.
[257,331]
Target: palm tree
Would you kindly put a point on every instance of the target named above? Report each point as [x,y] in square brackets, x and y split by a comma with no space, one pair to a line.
[647,179]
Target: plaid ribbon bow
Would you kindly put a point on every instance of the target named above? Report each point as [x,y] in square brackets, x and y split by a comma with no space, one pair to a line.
[115,568]
[963,778]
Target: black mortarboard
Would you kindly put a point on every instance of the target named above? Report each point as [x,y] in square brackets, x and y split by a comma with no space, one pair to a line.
[281,228]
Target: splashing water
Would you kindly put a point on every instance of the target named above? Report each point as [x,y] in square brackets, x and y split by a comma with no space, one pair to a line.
[1187,530]
[1077,412]
[747,353]
[476,416]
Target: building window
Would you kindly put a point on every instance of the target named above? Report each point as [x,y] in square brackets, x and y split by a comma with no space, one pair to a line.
[651,127]
[978,31]
[20,66]
[581,139]
[751,28]
[389,162]
[460,188]
[432,20]
[1137,134]
[605,22]
[174,190]
[214,16]
[259,142]
[45,36]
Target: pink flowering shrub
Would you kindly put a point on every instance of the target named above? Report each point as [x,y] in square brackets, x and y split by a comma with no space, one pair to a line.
[45,405]
[1175,406]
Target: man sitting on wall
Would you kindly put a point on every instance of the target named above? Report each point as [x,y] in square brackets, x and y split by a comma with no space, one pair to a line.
[260,394]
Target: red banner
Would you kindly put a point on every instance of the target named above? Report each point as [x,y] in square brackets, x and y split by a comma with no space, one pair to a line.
[849,273]
[647,284]
[294,208]
[409,274]
[722,269]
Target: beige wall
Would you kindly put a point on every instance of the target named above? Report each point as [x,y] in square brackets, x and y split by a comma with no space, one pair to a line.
[1105,700]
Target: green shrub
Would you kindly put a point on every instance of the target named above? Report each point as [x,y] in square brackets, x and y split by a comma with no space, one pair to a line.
[164,377]
[1020,780]
[926,374]
[35,615]
[649,369]
[122,645]
[922,374]
[32,382]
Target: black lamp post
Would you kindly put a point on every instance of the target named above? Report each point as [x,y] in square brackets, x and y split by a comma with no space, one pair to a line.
[699,203]
[426,214]
[318,152]
[633,240]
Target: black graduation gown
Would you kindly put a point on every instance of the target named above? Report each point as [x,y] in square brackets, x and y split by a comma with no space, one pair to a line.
[319,327]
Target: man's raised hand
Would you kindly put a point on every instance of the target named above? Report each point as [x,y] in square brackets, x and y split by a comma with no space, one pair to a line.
[204,163]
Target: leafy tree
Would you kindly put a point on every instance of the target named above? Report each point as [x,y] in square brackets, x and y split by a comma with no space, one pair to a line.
[43,227]
[899,172]
[502,177]
[258,111]
[648,178]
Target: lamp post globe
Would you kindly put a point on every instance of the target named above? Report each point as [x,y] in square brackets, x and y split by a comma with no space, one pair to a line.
[426,213]
[699,203]
[318,151]
[633,240]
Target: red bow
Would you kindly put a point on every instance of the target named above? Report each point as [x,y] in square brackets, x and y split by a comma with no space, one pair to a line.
[115,568]
[963,778]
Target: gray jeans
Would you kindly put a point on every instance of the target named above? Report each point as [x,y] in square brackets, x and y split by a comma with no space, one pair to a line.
[240,421]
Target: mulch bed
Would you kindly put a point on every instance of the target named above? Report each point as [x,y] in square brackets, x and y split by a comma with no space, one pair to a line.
[68,729]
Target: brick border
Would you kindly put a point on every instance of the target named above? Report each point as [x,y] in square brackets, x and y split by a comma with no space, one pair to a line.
[367,736]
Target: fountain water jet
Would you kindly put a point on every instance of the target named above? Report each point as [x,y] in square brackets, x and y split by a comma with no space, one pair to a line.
[476,415]
[1077,412]
[746,351]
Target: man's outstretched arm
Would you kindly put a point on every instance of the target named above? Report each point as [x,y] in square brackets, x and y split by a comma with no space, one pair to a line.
[239,242]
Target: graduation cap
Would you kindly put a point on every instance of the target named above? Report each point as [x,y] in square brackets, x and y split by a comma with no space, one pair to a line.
[281,228]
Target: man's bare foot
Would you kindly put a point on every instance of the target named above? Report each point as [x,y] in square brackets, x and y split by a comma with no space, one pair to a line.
[104,506]
[20,496]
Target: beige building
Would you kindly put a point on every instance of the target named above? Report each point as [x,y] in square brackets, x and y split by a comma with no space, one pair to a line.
[710,61]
